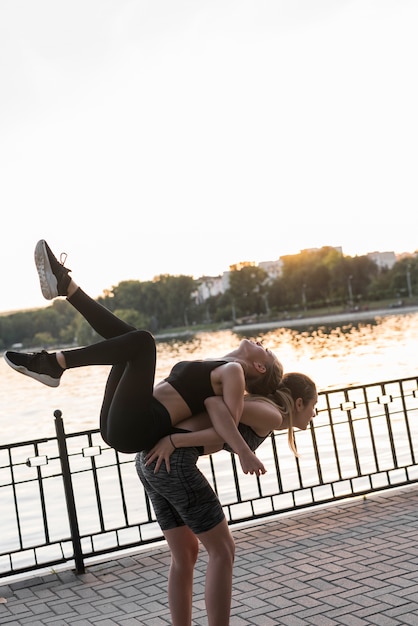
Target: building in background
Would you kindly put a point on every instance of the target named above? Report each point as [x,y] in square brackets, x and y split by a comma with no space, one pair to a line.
[383,259]
[209,286]
[273,269]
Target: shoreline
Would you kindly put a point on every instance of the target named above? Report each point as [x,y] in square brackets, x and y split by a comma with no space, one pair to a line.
[299,322]
[347,316]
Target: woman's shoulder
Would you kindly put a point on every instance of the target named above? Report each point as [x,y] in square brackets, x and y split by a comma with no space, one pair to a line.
[261,414]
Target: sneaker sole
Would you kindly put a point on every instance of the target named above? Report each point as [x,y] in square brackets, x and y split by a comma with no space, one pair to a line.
[47,279]
[42,378]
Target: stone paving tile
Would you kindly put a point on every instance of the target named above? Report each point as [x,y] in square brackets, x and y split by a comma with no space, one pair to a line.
[350,564]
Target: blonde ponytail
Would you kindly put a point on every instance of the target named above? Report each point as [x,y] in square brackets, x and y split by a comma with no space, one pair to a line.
[283,399]
[294,385]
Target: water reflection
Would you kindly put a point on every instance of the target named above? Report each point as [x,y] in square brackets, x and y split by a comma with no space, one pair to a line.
[334,356]
[366,352]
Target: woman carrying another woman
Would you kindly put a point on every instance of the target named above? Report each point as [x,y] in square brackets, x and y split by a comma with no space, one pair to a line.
[134,413]
[187,508]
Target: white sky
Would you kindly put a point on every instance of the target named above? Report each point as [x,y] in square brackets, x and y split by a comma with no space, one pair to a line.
[179,137]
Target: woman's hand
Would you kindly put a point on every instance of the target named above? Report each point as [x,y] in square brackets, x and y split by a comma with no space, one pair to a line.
[162,451]
[251,464]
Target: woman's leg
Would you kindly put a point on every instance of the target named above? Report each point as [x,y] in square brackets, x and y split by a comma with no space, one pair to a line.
[184,548]
[132,355]
[131,380]
[189,498]
[125,422]
[55,280]
[138,345]
[106,324]
[103,321]
[183,544]
[129,390]
[131,419]
[220,546]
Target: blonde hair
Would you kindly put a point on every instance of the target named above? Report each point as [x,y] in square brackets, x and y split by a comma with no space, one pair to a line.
[293,385]
[268,383]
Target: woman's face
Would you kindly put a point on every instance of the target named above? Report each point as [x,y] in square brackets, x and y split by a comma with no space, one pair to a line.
[304,413]
[255,351]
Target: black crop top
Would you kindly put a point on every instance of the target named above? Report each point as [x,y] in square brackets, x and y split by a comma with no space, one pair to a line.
[191,379]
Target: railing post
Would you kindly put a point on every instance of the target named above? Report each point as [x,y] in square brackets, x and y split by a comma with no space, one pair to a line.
[69,492]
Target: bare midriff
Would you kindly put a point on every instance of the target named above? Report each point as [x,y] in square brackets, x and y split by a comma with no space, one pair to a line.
[172,401]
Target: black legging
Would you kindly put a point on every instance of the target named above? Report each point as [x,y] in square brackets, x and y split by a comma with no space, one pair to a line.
[131,419]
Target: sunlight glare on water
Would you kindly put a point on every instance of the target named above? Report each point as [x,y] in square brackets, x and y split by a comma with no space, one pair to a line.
[380,350]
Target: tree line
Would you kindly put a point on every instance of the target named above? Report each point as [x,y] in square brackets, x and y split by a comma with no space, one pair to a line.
[309,281]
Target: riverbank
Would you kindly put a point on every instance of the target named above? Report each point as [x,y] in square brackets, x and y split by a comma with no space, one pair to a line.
[332,318]
[322,318]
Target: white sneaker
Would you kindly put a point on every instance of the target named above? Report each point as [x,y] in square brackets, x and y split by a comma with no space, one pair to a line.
[53,276]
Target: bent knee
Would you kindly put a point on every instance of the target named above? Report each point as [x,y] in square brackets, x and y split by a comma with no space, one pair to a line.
[230,548]
[224,552]
[220,545]
[143,337]
[187,557]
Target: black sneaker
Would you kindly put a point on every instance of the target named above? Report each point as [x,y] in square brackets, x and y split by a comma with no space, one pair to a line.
[53,276]
[38,365]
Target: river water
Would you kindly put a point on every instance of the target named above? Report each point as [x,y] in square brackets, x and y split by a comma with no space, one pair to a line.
[334,356]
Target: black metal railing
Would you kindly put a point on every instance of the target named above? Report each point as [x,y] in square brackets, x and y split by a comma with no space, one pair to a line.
[70,497]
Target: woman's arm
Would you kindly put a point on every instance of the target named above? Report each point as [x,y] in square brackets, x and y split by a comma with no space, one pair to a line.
[227,429]
[225,412]
[163,449]
[230,377]
[262,416]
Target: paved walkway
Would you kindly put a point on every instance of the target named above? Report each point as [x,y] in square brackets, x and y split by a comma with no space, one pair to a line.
[353,563]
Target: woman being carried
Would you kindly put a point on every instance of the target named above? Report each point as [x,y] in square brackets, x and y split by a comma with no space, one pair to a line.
[134,413]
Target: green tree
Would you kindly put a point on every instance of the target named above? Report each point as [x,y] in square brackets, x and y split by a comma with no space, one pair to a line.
[361,272]
[174,299]
[304,281]
[128,294]
[404,278]
[134,318]
[247,287]
[161,303]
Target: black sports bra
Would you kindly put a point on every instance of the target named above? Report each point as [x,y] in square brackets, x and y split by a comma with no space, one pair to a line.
[191,379]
